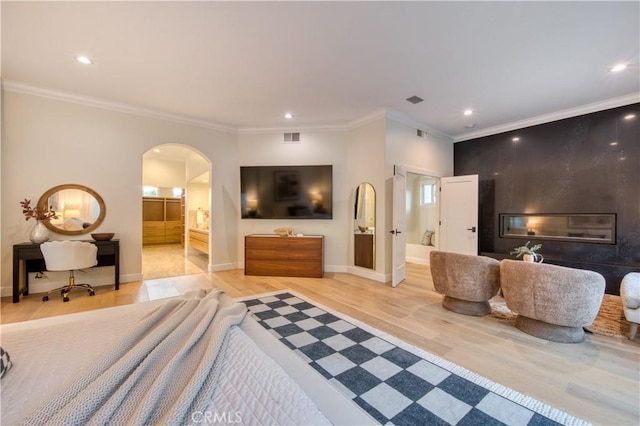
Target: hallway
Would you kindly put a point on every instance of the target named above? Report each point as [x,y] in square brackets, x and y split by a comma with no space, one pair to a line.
[168,260]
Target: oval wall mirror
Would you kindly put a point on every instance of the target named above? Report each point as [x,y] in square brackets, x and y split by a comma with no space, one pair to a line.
[80,209]
[365,226]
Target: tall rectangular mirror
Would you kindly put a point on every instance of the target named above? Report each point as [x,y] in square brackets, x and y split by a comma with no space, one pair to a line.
[365,226]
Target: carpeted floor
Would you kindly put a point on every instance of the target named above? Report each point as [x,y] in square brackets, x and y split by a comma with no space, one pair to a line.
[609,322]
[396,383]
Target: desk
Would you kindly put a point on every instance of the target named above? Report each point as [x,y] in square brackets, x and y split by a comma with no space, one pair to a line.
[27,257]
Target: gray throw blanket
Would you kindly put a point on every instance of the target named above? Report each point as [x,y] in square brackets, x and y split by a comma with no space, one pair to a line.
[160,372]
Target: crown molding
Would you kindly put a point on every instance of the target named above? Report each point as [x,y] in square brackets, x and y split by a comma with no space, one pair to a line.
[390,114]
[554,116]
[18,87]
[301,129]
[402,118]
[374,116]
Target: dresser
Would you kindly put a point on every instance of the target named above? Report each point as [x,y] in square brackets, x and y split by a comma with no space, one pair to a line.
[273,255]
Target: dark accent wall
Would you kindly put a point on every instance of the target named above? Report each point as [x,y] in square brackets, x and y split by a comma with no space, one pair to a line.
[584,164]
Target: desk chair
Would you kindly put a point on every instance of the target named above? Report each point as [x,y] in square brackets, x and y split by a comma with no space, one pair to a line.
[68,256]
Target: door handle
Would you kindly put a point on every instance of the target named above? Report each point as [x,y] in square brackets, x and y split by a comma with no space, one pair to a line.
[472,229]
[395,231]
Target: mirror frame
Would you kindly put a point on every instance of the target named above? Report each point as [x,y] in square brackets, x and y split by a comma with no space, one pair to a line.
[44,201]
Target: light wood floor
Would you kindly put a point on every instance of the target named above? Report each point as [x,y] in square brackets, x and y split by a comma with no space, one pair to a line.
[597,380]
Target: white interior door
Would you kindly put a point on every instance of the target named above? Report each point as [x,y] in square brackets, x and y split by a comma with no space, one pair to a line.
[459,214]
[399,239]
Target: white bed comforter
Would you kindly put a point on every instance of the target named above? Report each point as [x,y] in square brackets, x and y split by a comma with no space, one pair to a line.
[243,387]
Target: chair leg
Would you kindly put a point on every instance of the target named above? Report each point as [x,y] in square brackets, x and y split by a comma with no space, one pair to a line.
[633,330]
[65,290]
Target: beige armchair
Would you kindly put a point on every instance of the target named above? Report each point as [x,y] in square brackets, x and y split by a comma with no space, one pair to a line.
[630,295]
[466,281]
[552,302]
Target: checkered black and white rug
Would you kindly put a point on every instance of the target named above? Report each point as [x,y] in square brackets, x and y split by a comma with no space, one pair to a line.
[396,383]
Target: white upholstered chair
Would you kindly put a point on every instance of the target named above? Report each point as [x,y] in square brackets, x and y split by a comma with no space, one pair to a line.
[69,256]
[630,295]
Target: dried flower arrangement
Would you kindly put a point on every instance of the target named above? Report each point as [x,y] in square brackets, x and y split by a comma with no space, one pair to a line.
[30,212]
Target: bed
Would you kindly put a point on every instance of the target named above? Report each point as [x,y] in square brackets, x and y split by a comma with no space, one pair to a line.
[67,369]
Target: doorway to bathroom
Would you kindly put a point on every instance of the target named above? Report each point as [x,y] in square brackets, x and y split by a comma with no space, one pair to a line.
[175,212]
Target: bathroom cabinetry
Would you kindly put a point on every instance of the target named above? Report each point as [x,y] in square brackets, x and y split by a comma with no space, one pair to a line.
[199,239]
[364,250]
[162,220]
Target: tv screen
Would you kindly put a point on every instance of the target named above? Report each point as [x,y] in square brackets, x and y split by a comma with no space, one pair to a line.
[286,192]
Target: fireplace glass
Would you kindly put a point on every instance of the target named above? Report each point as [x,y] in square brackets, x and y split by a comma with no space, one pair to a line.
[588,228]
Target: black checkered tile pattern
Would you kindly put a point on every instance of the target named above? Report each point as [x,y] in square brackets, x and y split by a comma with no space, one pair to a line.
[392,384]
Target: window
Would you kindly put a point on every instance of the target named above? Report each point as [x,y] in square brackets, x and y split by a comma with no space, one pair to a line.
[177,192]
[427,193]
[150,191]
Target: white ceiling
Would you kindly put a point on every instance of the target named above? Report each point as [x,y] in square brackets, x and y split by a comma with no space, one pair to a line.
[242,65]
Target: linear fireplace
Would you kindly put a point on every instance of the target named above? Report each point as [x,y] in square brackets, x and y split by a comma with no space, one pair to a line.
[587,228]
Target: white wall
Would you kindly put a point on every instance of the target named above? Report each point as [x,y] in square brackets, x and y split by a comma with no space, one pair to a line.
[196,165]
[48,142]
[315,148]
[163,173]
[366,150]
[197,196]
[433,155]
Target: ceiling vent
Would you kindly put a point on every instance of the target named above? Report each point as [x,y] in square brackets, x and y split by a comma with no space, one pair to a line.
[415,99]
[292,138]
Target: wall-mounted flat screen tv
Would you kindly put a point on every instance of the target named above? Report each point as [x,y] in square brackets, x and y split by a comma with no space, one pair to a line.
[286,192]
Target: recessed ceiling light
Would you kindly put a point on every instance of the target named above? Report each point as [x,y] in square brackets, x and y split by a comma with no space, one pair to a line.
[614,143]
[288,116]
[516,139]
[84,60]
[156,150]
[468,112]
[629,116]
[618,68]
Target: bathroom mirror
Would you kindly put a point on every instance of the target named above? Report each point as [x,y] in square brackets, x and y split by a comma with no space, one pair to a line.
[365,226]
[80,209]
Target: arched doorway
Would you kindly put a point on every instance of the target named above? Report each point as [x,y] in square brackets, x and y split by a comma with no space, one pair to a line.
[175,211]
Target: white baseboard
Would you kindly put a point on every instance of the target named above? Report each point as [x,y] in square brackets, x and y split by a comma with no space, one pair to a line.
[368,273]
[418,260]
[224,267]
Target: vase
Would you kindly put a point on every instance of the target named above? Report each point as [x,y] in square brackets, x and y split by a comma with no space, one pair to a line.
[535,258]
[39,233]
